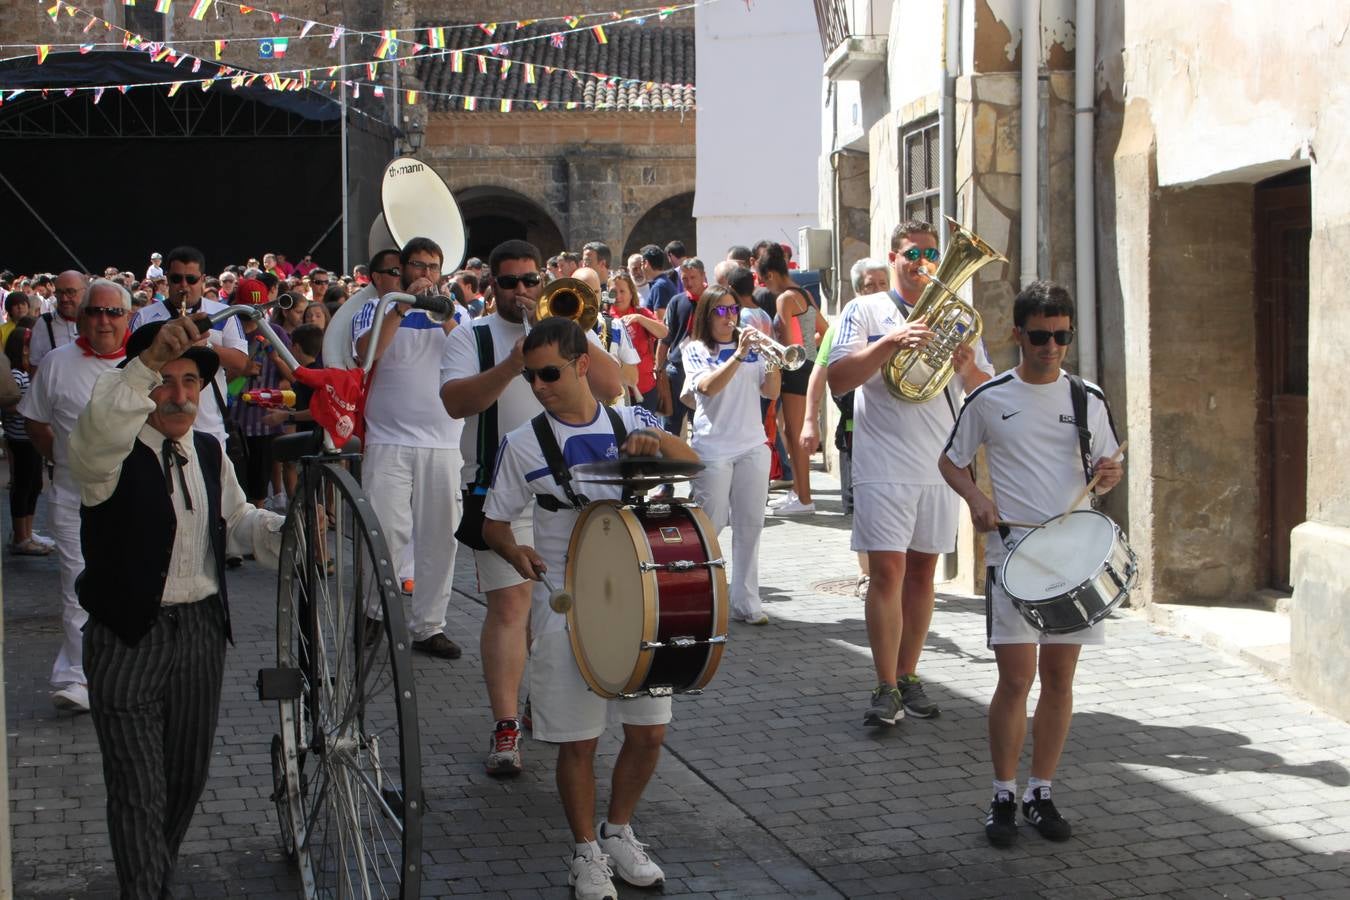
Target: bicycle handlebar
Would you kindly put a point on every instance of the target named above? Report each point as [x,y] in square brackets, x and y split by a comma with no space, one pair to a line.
[258,315]
[436,307]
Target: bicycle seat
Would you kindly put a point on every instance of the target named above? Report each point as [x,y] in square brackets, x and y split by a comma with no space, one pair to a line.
[290,447]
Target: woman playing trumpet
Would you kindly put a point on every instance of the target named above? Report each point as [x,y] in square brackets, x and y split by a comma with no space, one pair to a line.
[725,375]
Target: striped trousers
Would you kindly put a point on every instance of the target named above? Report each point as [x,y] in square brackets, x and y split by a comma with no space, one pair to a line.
[154,708]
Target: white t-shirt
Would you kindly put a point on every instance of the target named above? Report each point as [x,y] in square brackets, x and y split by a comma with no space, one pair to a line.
[1032,448]
[522,472]
[40,344]
[223,334]
[620,348]
[403,407]
[59,393]
[758,319]
[515,405]
[153,272]
[894,442]
[726,424]
[338,349]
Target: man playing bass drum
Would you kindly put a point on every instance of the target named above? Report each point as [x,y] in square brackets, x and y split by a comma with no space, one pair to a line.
[1025,418]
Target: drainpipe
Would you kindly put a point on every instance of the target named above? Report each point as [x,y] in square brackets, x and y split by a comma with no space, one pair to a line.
[951,68]
[1084,239]
[1031,61]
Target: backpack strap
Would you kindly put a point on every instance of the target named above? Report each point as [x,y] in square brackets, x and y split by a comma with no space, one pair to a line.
[557,466]
[51,335]
[488,437]
[1078,394]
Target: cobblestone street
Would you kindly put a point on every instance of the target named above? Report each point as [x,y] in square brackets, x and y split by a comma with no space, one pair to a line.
[1187,773]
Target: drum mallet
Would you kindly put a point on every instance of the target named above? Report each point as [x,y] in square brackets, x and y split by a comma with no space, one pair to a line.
[558,601]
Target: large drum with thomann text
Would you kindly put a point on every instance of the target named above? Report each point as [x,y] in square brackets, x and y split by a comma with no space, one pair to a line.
[1071,573]
[649,598]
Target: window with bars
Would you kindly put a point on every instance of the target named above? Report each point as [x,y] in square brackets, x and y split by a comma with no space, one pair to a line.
[919,185]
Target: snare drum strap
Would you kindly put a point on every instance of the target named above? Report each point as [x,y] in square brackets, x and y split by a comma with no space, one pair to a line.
[1078,394]
[557,466]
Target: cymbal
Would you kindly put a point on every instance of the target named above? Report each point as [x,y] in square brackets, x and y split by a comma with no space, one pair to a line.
[634,469]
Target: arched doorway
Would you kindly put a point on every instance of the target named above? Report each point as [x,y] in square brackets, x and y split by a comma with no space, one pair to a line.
[670,220]
[496,214]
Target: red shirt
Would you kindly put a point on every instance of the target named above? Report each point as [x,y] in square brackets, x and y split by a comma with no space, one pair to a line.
[645,345]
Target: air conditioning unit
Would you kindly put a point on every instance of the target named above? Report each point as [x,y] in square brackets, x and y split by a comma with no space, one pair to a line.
[815,248]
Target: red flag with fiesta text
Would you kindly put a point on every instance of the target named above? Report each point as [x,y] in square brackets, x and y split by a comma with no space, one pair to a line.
[339,401]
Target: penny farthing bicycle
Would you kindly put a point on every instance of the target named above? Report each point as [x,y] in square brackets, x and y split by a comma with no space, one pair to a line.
[346,764]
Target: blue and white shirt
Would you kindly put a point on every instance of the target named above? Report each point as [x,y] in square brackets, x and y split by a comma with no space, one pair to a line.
[404,406]
[726,424]
[522,473]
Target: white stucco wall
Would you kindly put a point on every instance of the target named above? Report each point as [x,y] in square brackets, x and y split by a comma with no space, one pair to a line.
[759,143]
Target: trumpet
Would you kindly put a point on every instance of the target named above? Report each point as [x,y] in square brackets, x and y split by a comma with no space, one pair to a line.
[775,354]
[571,299]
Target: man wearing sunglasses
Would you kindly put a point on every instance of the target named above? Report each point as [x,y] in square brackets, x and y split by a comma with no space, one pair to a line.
[412,455]
[185,272]
[481,384]
[59,326]
[1026,420]
[565,711]
[904,515]
[60,390]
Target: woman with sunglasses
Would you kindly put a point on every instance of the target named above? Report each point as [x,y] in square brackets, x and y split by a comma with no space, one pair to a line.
[797,322]
[724,379]
[645,328]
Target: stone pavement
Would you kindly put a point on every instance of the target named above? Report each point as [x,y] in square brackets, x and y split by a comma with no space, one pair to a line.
[1188,773]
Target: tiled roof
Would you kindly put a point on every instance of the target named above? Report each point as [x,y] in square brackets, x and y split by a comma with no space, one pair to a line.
[655,65]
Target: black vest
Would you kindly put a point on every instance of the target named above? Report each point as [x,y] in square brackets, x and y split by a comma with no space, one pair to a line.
[128,541]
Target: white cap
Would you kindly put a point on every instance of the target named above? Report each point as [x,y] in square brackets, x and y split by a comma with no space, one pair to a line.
[155,256]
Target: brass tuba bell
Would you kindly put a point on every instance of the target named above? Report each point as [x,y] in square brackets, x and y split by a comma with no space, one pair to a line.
[569,298]
[919,374]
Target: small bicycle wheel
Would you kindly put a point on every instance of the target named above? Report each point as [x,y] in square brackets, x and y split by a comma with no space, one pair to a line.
[350,748]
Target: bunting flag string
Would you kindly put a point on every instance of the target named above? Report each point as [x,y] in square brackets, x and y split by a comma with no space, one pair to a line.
[333,31]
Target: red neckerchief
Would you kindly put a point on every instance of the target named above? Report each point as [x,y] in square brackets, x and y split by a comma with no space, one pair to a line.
[83,343]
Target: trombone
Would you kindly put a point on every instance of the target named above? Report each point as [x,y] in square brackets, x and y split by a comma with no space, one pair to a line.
[790,358]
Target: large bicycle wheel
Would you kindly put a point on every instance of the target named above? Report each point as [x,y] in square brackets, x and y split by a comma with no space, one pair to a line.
[350,760]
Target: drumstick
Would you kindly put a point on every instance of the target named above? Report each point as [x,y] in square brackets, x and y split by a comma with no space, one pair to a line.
[558,601]
[1008,523]
[1090,485]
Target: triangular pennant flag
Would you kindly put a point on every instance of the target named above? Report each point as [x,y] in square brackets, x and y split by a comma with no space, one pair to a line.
[276,18]
[196,64]
[489,27]
[666,12]
[42,51]
[304,31]
[572,21]
[70,91]
[245,9]
[220,48]
[237,82]
[98,93]
[525,22]
[86,48]
[54,11]
[206,85]
[173,88]
[540,104]
[337,36]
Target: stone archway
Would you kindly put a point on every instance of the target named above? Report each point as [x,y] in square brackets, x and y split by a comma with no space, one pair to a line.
[670,220]
[494,214]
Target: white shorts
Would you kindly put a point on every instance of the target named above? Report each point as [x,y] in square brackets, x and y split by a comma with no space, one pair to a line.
[564,709]
[1003,624]
[495,573]
[904,517]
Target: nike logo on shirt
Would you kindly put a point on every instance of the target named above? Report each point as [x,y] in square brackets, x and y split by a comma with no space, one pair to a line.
[1007,416]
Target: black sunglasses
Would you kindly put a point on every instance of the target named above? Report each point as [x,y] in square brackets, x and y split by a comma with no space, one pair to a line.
[1063,337]
[932,254]
[546,374]
[323,283]
[529,279]
[179,278]
[392,271]
[111,312]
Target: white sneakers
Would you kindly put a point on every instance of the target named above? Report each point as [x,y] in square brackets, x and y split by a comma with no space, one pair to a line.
[590,874]
[629,856]
[74,697]
[791,506]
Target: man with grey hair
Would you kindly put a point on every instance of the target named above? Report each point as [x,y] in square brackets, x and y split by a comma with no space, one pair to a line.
[60,391]
[60,326]
[868,276]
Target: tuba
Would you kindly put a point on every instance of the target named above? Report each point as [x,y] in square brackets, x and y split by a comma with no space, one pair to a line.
[919,374]
[569,298]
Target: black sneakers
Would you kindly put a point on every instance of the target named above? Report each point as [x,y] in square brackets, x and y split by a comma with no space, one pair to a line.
[1001,825]
[1041,812]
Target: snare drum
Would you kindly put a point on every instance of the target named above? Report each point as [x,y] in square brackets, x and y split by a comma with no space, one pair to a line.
[649,598]
[1070,575]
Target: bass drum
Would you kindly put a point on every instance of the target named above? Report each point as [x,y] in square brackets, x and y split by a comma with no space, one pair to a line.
[649,599]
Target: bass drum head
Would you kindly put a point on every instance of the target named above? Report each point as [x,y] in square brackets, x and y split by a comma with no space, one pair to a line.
[613,600]
[1049,561]
[418,203]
